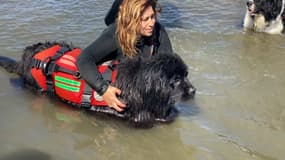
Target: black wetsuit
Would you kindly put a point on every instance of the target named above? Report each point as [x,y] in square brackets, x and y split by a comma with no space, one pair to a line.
[113,12]
[106,48]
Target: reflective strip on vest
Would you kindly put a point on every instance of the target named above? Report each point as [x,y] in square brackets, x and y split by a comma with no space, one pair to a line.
[67,84]
[67,81]
[67,87]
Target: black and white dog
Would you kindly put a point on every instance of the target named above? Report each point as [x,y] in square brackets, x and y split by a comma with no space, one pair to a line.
[148,85]
[265,16]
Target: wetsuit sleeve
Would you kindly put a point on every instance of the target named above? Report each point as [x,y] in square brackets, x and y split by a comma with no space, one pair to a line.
[165,44]
[113,12]
[93,54]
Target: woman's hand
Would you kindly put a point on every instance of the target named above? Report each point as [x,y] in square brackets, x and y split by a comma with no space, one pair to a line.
[110,97]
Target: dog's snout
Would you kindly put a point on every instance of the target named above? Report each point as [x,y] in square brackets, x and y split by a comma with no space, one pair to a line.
[189,92]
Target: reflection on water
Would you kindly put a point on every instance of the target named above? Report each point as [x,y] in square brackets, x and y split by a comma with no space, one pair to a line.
[238,112]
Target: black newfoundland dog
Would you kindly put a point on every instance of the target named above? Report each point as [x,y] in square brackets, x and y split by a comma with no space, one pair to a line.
[149,86]
[265,16]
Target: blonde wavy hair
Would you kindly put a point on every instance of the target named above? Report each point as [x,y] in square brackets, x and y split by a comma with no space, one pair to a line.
[128,23]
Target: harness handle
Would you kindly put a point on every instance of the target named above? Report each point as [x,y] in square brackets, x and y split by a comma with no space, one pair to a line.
[45,65]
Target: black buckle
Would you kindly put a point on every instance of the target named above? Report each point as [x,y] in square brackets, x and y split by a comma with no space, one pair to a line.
[48,66]
[86,101]
[50,89]
[44,65]
[36,63]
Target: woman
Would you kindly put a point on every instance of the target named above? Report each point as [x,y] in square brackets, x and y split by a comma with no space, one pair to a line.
[135,33]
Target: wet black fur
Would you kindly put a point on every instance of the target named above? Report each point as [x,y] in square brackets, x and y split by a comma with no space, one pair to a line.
[147,85]
[156,80]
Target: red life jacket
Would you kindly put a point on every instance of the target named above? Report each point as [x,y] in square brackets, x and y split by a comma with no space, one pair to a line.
[55,72]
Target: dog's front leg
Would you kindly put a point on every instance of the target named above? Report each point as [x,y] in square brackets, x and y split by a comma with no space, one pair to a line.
[248,21]
[259,23]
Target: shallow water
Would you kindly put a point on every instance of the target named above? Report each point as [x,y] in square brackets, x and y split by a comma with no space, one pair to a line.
[238,112]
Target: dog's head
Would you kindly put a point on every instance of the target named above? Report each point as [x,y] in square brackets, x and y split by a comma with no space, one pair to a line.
[175,71]
[150,87]
[170,81]
[265,16]
[270,9]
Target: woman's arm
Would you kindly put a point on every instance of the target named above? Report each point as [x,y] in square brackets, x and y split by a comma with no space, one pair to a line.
[92,55]
[87,62]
